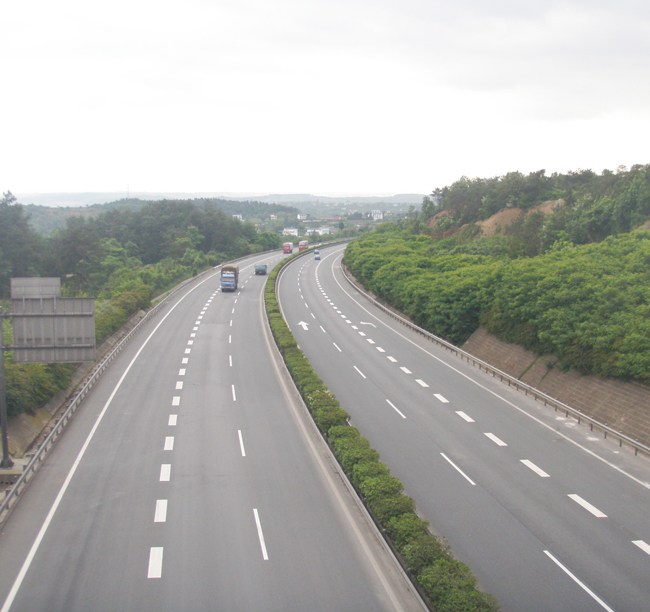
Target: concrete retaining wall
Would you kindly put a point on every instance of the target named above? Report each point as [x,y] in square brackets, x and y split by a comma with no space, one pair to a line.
[623,406]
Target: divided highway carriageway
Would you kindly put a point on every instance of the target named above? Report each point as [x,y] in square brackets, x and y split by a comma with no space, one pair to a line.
[549,515]
[192,480]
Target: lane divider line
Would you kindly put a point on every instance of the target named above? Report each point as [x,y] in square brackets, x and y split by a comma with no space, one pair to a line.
[587,506]
[396,409]
[539,471]
[155,562]
[265,556]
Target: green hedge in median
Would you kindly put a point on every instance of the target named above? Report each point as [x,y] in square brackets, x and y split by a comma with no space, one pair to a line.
[448,584]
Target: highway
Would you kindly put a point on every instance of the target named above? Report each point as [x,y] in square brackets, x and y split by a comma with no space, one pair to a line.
[191,480]
[549,515]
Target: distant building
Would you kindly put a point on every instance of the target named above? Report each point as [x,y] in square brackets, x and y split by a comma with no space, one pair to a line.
[321,230]
[274,217]
[377,215]
[301,217]
[238,217]
[289,231]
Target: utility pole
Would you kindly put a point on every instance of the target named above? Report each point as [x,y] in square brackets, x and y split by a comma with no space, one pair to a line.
[6,462]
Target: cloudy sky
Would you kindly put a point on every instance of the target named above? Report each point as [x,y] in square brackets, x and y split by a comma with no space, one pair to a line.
[317,96]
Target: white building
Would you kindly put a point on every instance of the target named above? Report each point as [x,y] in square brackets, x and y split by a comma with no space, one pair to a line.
[238,217]
[289,231]
[377,215]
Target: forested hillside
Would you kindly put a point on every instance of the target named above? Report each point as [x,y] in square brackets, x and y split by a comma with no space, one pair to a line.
[123,258]
[574,283]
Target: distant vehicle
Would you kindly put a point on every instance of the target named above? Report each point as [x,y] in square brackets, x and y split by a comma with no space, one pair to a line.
[316,254]
[302,245]
[287,247]
[229,277]
[260,268]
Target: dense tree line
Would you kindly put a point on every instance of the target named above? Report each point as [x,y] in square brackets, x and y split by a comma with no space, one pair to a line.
[123,258]
[588,305]
[593,206]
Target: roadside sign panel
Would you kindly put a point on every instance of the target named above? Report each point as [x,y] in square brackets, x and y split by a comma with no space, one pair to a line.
[35,288]
[51,330]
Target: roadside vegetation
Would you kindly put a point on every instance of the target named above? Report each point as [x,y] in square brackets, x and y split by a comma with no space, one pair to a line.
[123,258]
[574,283]
[448,584]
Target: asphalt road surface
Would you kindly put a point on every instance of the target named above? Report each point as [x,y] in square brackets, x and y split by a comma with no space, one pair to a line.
[549,515]
[190,480]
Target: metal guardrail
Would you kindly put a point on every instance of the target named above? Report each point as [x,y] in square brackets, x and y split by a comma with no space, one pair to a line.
[13,494]
[511,380]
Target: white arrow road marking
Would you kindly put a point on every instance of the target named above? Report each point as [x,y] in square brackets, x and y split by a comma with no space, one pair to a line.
[304,325]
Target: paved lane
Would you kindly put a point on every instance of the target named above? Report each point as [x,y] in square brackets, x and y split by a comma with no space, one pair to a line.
[549,516]
[198,489]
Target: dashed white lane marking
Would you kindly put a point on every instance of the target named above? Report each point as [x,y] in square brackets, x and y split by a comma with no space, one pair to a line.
[173,419]
[184,360]
[181,372]
[260,534]
[370,340]
[381,350]
[197,322]
[354,327]
[578,581]
[392,359]
[462,415]
[230,360]
[405,370]
[496,440]
[395,408]
[323,329]
[176,400]
[234,397]
[587,506]
[362,334]
[190,342]
[642,545]
[165,472]
[160,516]
[441,398]
[360,372]
[230,322]
[337,348]
[192,335]
[241,443]
[465,476]
[233,311]
[169,443]
[539,471]
[313,316]
[179,384]
[421,382]
[229,339]
[188,351]
[199,317]
[155,562]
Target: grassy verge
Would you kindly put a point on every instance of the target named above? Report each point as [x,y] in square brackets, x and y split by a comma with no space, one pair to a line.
[448,584]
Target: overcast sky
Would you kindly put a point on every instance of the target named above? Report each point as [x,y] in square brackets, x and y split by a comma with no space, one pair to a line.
[317,96]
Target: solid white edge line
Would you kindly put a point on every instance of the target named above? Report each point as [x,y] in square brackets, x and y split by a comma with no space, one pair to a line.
[465,476]
[587,506]
[48,519]
[265,556]
[539,471]
[578,581]
[241,443]
[395,408]
[155,562]
[160,516]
